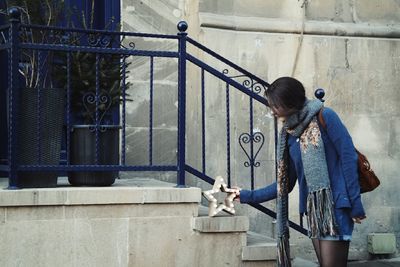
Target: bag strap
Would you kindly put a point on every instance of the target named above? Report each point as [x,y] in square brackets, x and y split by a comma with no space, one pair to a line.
[323,123]
[321,118]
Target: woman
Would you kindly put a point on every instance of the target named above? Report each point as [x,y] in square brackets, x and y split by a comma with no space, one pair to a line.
[324,162]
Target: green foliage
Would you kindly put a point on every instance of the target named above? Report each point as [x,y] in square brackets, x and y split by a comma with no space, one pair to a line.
[83,82]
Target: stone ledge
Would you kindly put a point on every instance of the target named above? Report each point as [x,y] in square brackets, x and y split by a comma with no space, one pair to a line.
[381,243]
[118,194]
[315,27]
[259,248]
[259,252]
[221,224]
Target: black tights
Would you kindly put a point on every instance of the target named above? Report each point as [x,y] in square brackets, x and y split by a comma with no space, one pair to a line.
[331,253]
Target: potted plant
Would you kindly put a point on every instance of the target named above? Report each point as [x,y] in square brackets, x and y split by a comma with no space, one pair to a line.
[94,135]
[95,130]
[40,118]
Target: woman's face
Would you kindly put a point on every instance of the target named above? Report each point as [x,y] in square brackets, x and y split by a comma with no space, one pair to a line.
[281,112]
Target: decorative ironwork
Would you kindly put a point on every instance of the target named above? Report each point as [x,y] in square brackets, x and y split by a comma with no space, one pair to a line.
[103,105]
[248,82]
[256,138]
[42,41]
[99,40]
[71,37]
[131,44]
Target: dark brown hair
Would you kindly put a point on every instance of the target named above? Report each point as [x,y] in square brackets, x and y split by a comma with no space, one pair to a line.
[287,93]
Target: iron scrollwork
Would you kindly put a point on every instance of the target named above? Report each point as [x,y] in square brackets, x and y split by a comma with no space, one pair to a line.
[103,106]
[252,138]
[255,138]
[248,82]
[72,37]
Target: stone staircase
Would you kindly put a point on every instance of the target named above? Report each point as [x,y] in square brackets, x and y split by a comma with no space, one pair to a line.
[258,250]
[136,222]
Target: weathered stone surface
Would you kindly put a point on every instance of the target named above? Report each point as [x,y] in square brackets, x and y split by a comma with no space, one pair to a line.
[221,224]
[123,194]
[94,231]
[349,48]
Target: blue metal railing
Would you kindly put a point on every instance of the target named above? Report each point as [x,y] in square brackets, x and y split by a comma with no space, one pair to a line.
[103,43]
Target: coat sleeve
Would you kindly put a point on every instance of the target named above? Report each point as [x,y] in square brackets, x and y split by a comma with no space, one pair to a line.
[269,192]
[340,137]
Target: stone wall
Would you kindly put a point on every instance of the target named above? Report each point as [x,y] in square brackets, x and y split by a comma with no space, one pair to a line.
[136,222]
[349,48]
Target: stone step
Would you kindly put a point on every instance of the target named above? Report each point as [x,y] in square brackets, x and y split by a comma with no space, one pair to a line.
[260,251]
[123,191]
[257,251]
[222,222]
[259,248]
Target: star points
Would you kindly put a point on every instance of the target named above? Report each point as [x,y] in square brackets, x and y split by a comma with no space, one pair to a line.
[213,206]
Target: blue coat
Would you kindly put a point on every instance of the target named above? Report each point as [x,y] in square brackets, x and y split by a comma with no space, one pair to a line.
[341,158]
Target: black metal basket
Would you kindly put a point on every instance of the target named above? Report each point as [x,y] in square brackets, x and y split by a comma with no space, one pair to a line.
[83,152]
[40,128]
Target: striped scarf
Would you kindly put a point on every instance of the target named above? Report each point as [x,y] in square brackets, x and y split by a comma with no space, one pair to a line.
[320,217]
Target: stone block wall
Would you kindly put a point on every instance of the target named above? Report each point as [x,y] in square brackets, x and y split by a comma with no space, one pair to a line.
[349,48]
[136,222]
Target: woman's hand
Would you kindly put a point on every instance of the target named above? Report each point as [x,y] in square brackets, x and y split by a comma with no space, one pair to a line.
[358,219]
[237,192]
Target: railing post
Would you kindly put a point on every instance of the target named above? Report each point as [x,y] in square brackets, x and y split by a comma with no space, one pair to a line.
[13,96]
[182,27]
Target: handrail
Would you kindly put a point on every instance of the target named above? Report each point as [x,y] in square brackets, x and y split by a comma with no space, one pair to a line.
[225,78]
[102,50]
[228,62]
[96,168]
[94,31]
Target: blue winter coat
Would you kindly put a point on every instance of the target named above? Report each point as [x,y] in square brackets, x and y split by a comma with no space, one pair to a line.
[341,158]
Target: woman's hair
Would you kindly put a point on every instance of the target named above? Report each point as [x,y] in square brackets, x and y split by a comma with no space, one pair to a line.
[287,93]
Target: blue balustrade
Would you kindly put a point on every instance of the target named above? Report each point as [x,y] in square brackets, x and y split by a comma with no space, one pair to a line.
[101,44]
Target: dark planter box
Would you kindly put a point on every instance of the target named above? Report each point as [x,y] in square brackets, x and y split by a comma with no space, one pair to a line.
[83,152]
[31,150]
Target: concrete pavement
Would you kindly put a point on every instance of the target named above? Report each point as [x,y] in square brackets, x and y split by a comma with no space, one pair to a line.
[395,262]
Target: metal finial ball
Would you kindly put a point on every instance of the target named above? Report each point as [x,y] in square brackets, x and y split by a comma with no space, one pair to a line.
[320,93]
[182,26]
[14,12]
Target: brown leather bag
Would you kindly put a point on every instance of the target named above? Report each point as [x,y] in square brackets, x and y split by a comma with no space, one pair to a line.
[366,176]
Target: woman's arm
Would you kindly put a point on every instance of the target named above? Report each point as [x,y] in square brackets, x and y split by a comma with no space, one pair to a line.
[340,137]
[269,192]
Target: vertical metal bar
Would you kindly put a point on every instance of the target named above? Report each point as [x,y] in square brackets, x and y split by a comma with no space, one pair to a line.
[123,157]
[182,26]
[228,138]
[251,143]
[39,108]
[203,123]
[68,119]
[13,97]
[97,126]
[151,112]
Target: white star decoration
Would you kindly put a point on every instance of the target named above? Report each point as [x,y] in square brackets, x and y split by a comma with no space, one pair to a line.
[213,207]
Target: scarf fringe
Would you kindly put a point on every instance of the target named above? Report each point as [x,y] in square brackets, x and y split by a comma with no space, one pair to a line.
[321,219]
[283,259]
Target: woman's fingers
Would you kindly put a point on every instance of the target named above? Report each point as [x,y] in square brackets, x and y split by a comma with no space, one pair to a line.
[358,219]
[237,192]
